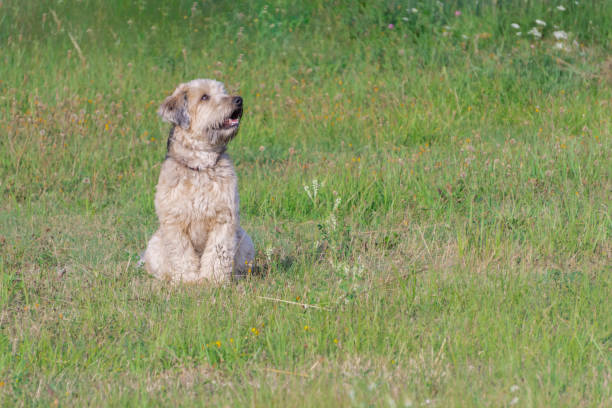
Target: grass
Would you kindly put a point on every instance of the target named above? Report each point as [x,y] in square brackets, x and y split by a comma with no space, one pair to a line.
[439,185]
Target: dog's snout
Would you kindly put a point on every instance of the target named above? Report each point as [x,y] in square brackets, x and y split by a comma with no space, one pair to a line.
[237,101]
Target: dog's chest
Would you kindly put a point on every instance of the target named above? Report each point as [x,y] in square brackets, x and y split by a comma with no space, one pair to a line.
[196,201]
[206,197]
[188,196]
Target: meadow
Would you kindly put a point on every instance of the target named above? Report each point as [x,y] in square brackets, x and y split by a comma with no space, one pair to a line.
[428,186]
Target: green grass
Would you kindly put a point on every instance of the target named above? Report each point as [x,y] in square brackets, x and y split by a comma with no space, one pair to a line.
[459,241]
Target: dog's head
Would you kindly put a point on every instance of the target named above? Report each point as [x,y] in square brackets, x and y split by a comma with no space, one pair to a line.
[204,110]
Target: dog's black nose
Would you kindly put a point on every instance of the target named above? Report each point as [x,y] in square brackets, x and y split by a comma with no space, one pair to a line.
[237,100]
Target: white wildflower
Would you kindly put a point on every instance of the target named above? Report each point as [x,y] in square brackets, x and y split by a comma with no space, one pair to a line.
[514,401]
[269,251]
[337,203]
[559,46]
[405,19]
[518,33]
[515,26]
[332,222]
[307,189]
[534,31]
[540,22]
[560,8]
[312,194]
[514,388]
[315,187]
[465,37]
[560,35]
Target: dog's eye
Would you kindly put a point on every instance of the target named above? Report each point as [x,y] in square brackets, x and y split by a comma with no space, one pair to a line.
[204,97]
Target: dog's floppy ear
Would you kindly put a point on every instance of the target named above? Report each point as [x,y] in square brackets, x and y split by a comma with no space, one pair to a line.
[174,108]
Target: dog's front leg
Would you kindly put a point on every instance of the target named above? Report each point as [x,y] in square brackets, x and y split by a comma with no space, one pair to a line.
[182,261]
[217,260]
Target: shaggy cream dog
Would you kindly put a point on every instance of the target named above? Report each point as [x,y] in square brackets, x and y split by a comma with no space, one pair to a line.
[199,236]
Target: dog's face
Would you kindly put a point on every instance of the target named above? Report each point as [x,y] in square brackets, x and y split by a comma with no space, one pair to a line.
[204,110]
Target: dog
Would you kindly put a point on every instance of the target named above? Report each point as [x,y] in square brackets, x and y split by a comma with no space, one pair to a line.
[196,200]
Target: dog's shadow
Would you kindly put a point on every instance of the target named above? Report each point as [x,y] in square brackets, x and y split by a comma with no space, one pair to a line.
[264,265]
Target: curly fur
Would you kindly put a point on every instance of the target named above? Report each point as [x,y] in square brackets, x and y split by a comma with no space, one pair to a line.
[199,236]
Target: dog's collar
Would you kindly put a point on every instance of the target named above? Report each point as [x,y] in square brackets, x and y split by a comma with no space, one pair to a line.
[186,164]
[195,168]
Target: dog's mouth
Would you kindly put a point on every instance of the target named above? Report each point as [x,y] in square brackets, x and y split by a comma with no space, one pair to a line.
[232,121]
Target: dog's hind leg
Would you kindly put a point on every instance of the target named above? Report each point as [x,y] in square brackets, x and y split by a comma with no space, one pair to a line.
[245,254]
